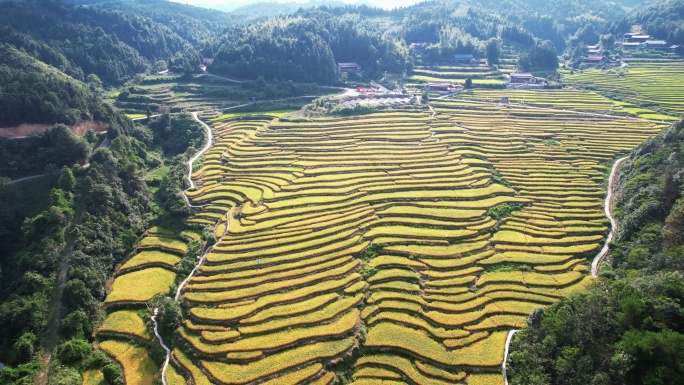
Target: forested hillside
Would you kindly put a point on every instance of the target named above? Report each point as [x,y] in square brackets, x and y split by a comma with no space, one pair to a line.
[81,41]
[307,46]
[629,327]
[34,92]
[663,20]
[93,217]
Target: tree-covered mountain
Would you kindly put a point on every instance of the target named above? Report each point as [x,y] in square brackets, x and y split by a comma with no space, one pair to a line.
[34,92]
[664,20]
[460,26]
[306,46]
[84,40]
[628,329]
[193,24]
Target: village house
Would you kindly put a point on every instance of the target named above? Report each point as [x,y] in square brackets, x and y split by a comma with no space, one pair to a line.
[348,67]
[639,38]
[522,78]
[463,58]
[439,86]
[627,46]
[660,45]
[593,60]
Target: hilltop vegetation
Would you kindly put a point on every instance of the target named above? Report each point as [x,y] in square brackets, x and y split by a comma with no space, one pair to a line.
[80,41]
[34,92]
[307,46]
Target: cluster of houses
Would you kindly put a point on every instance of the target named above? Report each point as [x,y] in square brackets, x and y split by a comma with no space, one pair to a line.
[638,41]
[593,56]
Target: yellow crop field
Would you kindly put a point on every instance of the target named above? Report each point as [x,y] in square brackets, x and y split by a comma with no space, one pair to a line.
[151,257]
[137,365]
[430,234]
[93,377]
[140,286]
[126,322]
[171,244]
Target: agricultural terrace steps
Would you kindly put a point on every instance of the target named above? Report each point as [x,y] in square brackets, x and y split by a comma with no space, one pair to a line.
[446,97]
[609,213]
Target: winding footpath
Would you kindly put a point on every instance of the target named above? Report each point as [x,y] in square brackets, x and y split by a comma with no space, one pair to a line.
[609,213]
[612,179]
[505,359]
[207,146]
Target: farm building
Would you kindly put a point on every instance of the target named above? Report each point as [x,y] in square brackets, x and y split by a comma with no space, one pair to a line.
[639,38]
[630,46]
[522,78]
[656,44]
[676,49]
[593,60]
[348,67]
[463,58]
[207,61]
[439,86]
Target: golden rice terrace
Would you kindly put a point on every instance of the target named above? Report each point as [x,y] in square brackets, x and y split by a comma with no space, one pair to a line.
[373,247]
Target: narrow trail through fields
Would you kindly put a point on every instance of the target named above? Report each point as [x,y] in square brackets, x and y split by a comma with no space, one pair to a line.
[207,146]
[505,360]
[609,213]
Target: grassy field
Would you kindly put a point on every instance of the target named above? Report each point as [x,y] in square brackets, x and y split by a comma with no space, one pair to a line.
[391,221]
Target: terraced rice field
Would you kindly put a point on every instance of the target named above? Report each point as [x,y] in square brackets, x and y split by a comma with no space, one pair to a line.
[124,333]
[373,234]
[481,76]
[649,84]
[585,101]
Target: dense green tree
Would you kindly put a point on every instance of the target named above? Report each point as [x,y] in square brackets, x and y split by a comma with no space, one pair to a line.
[493,51]
[543,56]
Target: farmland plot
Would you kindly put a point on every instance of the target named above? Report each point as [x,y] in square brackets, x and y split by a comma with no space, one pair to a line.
[383,235]
[646,84]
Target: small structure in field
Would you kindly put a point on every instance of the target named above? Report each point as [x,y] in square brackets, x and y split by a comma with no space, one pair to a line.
[629,46]
[639,38]
[444,87]
[463,58]
[521,78]
[676,49]
[659,45]
[439,86]
[348,67]
[593,60]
